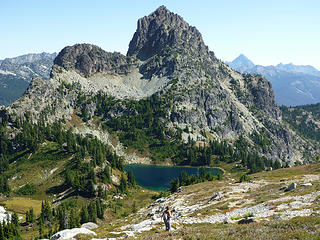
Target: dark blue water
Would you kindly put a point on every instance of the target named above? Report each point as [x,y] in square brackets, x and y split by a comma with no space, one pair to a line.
[158,177]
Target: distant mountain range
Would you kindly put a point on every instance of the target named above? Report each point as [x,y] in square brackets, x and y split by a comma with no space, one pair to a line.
[16,74]
[293,84]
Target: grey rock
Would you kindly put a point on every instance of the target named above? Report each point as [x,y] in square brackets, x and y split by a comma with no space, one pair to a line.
[291,187]
[68,234]
[246,221]
[276,217]
[216,196]
[88,59]
[89,225]
[162,30]
[306,184]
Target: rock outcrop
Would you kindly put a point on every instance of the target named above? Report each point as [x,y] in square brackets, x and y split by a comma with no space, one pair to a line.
[162,30]
[4,215]
[68,234]
[88,59]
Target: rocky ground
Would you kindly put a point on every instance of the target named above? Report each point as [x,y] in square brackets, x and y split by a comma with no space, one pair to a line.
[233,203]
[269,197]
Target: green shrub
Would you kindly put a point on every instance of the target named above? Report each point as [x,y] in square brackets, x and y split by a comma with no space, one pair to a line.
[28,189]
[245,178]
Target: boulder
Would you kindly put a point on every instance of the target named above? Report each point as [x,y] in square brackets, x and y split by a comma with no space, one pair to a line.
[291,187]
[89,225]
[216,196]
[276,217]
[306,184]
[68,234]
[246,221]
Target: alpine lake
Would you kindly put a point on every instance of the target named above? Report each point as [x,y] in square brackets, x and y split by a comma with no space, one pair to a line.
[158,178]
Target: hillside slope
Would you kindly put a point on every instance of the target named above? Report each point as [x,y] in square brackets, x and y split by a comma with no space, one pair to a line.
[304,119]
[262,208]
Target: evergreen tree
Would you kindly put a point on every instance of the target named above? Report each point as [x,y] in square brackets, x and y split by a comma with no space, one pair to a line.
[15,219]
[4,184]
[92,211]
[133,207]
[276,164]
[84,215]
[1,231]
[27,217]
[46,212]
[130,178]
[183,178]
[106,175]
[31,216]
[100,209]
[202,174]
[71,145]
[123,184]
[174,185]
[74,220]
[4,163]
[90,191]
[101,192]
[40,229]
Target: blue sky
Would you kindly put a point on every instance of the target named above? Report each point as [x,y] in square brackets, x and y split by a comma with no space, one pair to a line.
[266,31]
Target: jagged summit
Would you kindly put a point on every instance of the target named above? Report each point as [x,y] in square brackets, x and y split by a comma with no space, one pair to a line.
[161,30]
[88,59]
[156,34]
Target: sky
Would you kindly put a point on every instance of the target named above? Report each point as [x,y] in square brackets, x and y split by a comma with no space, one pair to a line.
[266,31]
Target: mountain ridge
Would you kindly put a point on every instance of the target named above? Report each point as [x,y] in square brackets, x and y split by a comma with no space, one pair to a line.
[293,84]
[200,93]
[17,72]
[290,67]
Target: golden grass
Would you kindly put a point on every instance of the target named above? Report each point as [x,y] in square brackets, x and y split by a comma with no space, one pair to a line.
[293,172]
[22,205]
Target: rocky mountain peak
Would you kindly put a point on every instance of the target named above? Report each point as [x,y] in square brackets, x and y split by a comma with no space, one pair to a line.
[161,30]
[88,59]
[241,62]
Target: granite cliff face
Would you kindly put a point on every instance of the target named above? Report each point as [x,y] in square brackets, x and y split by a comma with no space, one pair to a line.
[88,59]
[167,57]
[162,30]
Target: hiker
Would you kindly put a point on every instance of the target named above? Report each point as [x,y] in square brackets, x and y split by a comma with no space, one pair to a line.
[166,216]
